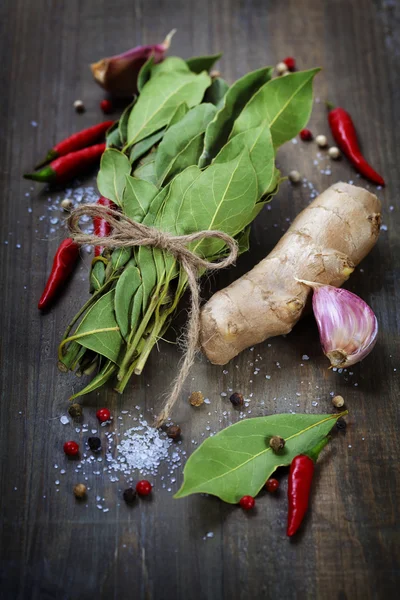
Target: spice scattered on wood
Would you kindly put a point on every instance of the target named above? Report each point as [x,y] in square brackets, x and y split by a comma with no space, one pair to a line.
[334,152]
[306,135]
[247,502]
[80,490]
[79,106]
[341,424]
[71,448]
[94,444]
[106,106]
[144,487]
[196,399]
[322,141]
[173,432]
[277,443]
[281,68]
[103,415]
[75,410]
[338,401]
[237,400]
[272,485]
[294,176]
[66,204]
[129,495]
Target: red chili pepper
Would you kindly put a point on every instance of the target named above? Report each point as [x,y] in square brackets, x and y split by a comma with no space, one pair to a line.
[102,228]
[77,141]
[300,478]
[64,261]
[66,167]
[344,132]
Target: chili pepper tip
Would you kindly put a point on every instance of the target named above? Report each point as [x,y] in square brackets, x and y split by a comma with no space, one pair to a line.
[45,175]
[51,155]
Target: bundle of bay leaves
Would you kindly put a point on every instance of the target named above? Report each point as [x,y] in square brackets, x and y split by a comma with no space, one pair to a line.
[189,154]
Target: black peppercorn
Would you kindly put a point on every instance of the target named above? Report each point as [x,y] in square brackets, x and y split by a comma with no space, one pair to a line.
[173,431]
[94,444]
[277,443]
[237,399]
[341,424]
[75,410]
[129,495]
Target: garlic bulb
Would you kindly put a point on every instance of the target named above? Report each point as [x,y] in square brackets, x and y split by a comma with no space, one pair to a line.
[348,327]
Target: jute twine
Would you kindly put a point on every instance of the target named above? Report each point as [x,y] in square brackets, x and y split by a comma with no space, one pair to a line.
[127,233]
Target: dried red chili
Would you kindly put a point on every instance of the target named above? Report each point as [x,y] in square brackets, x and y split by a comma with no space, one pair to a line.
[66,167]
[64,261]
[77,141]
[345,134]
[102,228]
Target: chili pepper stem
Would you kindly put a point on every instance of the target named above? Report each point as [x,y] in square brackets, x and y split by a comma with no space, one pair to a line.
[329,105]
[51,155]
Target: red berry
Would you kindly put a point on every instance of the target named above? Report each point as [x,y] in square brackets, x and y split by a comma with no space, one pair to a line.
[106,106]
[272,485]
[143,487]
[247,502]
[71,448]
[306,135]
[290,63]
[103,415]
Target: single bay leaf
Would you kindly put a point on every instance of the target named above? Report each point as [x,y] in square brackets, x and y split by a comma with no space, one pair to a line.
[145,73]
[113,138]
[258,142]
[139,149]
[284,103]
[148,272]
[114,165]
[178,140]
[216,92]
[123,122]
[126,287]
[238,460]
[172,64]
[98,329]
[178,114]
[138,195]
[146,169]
[119,257]
[100,379]
[235,99]
[243,240]
[136,310]
[197,64]
[159,99]
[97,275]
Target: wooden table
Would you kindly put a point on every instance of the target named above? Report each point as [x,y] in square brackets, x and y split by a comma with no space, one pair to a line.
[55,547]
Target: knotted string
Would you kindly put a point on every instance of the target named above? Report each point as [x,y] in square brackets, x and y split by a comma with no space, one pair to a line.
[127,233]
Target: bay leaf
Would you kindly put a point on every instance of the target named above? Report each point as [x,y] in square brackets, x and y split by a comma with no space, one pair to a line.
[100,379]
[258,142]
[197,64]
[119,257]
[178,149]
[238,460]
[126,287]
[136,311]
[284,103]
[243,240]
[97,275]
[138,195]
[159,99]
[216,92]
[235,99]
[145,73]
[98,329]
[148,272]
[139,149]
[114,166]
[113,138]
[178,114]
[123,122]
[172,64]
[146,169]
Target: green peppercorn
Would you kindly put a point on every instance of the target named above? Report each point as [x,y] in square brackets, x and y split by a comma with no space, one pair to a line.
[277,443]
[94,444]
[75,410]
[129,495]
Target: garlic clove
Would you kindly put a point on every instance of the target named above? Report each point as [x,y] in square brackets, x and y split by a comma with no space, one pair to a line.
[118,74]
[348,327]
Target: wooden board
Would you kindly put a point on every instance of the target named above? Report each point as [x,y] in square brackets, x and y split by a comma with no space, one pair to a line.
[54,547]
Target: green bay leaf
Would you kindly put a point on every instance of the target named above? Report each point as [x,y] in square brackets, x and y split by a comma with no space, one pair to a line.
[99,330]
[197,64]
[138,150]
[126,287]
[172,64]
[179,147]
[123,122]
[235,99]
[238,460]
[146,168]
[284,104]
[114,166]
[145,73]
[216,92]
[138,195]
[159,99]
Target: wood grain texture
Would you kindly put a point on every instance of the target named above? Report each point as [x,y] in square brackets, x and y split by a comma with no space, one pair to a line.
[53,547]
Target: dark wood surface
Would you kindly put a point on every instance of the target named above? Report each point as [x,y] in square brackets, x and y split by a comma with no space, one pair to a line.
[54,547]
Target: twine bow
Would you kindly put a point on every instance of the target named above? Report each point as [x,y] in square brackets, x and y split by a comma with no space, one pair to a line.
[127,233]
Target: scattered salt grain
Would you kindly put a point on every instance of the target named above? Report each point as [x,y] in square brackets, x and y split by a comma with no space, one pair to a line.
[305,357]
[64,420]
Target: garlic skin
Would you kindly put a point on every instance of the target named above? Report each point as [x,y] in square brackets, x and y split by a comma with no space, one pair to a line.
[118,74]
[348,327]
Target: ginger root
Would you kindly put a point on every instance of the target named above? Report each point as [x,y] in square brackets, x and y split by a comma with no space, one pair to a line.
[324,244]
